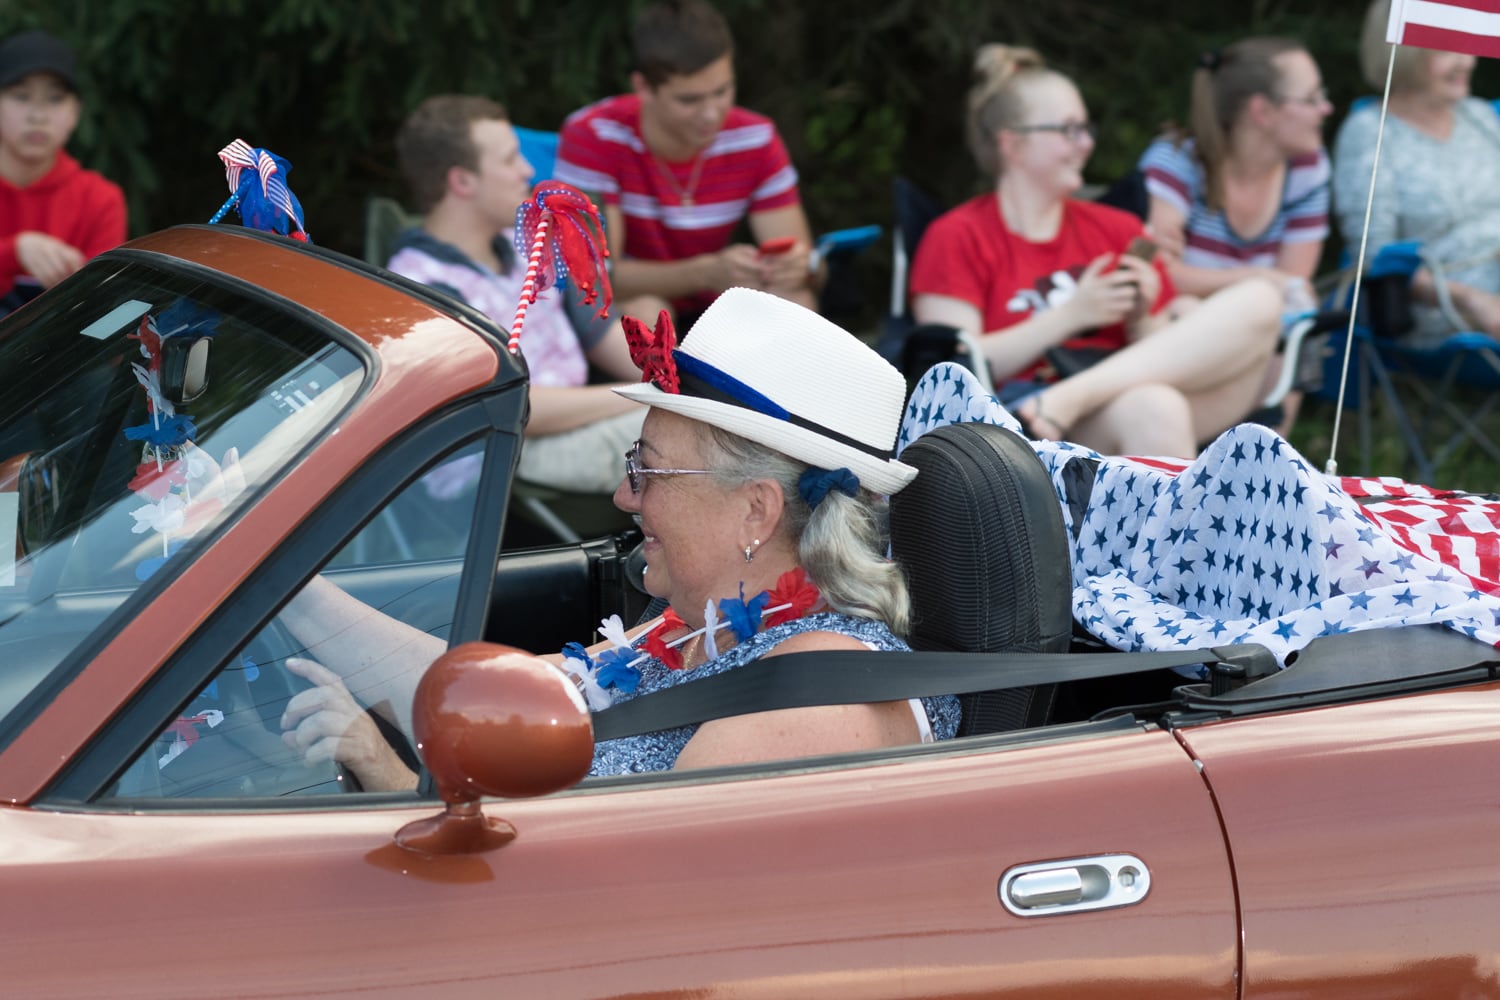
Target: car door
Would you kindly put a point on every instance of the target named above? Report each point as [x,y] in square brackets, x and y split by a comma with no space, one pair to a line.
[879,875]
[854,879]
[1363,838]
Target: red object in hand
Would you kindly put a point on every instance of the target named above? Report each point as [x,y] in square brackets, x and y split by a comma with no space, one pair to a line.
[780,245]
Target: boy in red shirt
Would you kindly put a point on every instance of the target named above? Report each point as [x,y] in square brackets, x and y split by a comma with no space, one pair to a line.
[54,215]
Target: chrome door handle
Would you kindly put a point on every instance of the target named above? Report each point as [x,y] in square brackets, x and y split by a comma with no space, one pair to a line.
[1074,885]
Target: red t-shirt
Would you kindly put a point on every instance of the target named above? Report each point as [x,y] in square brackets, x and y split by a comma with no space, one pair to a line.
[968,254]
[77,206]
[674,211]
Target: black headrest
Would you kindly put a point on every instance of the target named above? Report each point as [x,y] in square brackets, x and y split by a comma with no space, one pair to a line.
[980,535]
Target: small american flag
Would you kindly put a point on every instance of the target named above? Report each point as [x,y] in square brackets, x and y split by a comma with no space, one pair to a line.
[273,207]
[1471,26]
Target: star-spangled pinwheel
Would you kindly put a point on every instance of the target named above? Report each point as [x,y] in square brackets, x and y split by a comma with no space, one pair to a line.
[559,232]
[257,180]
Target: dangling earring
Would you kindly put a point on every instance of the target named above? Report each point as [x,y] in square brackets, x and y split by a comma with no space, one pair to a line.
[750,550]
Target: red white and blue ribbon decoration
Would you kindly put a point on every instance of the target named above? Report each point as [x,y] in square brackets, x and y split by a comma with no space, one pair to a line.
[257,182]
[617,669]
[170,468]
[560,235]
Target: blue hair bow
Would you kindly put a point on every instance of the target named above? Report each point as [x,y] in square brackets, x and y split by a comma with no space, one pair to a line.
[816,484]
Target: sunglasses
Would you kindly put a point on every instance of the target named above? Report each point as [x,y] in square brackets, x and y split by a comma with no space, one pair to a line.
[1316,99]
[634,470]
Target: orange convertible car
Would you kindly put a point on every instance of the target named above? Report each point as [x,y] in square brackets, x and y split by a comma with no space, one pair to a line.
[203,422]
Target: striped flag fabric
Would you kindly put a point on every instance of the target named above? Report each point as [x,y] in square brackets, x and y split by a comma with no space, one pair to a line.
[1471,26]
[1249,542]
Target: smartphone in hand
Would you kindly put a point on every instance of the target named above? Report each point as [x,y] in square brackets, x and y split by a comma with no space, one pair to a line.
[1142,248]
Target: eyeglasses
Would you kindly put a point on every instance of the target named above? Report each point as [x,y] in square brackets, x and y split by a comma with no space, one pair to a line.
[634,470]
[1072,131]
[1316,99]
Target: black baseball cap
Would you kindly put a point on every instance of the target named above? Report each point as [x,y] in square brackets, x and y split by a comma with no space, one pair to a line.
[37,52]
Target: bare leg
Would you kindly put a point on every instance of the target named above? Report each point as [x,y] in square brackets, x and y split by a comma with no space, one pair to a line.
[1215,355]
[1151,419]
[1291,404]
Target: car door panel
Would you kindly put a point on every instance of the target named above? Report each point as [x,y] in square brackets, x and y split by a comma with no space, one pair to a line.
[866,881]
[1364,841]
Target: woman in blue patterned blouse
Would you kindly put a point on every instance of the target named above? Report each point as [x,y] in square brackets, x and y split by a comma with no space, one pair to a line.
[760,482]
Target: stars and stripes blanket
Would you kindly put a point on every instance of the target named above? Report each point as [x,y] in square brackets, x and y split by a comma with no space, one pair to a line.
[1248,543]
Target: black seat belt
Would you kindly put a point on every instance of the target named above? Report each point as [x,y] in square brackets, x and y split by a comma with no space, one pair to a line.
[844,677]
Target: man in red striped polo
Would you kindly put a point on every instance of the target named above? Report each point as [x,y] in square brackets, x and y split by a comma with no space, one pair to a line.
[679,166]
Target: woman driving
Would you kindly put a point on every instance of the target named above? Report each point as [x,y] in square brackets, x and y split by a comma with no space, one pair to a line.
[759,481]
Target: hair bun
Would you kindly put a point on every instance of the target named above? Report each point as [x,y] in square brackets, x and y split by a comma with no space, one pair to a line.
[995,62]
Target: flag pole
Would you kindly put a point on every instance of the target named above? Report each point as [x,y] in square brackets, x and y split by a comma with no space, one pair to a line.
[1332,468]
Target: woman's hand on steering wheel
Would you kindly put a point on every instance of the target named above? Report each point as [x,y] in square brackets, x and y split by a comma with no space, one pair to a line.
[325,723]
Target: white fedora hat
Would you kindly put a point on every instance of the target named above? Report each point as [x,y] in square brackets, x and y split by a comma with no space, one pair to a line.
[778,374]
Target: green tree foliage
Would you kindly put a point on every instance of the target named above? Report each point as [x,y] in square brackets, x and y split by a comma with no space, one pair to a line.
[863,91]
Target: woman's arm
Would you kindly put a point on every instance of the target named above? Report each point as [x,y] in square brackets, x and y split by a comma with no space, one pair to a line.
[801,732]
[379,658]
[1167,223]
[326,723]
[1101,298]
[557,408]
[1300,260]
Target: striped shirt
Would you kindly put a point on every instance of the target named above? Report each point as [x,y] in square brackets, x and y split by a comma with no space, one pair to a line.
[553,354]
[668,214]
[1175,175]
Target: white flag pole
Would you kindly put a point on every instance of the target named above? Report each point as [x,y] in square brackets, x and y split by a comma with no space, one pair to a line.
[1332,468]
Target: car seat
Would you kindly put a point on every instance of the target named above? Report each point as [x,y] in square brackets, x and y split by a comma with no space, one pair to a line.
[980,536]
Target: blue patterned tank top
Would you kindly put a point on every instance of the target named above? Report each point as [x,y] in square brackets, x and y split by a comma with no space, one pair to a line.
[658,751]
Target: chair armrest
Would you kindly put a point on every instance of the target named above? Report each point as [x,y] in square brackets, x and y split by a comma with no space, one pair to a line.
[1396,258]
[1294,370]
[1444,294]
[842,241]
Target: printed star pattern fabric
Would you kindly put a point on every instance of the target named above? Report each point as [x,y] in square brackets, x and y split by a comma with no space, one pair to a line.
[1248,543]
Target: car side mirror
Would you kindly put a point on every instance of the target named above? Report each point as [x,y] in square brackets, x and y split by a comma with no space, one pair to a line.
[489,720]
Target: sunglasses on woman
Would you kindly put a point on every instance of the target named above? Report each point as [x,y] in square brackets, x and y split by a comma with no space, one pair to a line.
[634,470]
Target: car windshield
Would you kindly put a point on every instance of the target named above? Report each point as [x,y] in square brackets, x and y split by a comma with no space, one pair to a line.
[140,408]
